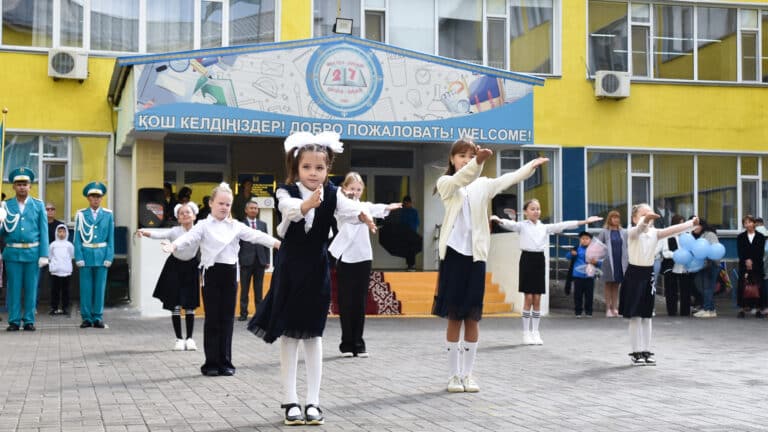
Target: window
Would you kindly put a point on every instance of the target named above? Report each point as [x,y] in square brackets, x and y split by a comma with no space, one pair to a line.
[531,36]
[120,25]
[326,13]
[374,25]
[408,27]
[58,162]
[724,47]
[607,183]
[251,21]
[28,23]
[673,184]
[115,25]
[717,191]
[540,186]
[460,30]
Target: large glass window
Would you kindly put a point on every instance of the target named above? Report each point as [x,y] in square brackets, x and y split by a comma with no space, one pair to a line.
[210,24]
[607,36]
[673,42]
[673,184]
[28,23]
[717,43]
[251,21]
[71,31]
[411,25]
[717,191]
[115,25]
[170,25]
[460,30]
[540,186]
[764,44]
[607,183]
[531,34]
[326,13]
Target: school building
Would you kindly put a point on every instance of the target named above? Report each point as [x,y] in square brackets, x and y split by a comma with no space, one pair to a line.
[633,101]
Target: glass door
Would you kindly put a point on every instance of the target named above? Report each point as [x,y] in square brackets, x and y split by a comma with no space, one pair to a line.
[54,187]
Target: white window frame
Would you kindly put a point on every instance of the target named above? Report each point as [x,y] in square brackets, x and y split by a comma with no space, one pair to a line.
[557,170]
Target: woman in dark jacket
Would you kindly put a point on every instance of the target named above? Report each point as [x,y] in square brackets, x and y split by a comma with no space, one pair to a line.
[751,246]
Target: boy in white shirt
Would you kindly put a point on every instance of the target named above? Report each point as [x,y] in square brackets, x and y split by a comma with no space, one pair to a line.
[61,253]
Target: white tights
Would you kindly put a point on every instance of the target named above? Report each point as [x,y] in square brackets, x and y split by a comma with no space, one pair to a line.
[640,334]
[289,363]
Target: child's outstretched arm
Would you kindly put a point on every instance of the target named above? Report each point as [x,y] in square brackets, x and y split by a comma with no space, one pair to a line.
[447,185]
[507,224]
[677,229]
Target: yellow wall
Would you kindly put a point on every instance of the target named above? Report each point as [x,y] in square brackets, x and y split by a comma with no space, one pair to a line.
[36,101]
[655,115]
[296,19]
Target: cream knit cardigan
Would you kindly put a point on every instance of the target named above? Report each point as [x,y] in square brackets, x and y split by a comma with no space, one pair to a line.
[480,191]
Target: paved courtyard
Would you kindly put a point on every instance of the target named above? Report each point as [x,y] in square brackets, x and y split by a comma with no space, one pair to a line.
[712,375]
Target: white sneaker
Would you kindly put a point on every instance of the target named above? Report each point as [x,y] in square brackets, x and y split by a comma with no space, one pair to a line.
[347,354]
[455,385]
[470,385]
[527,340]
[536,338]
[179,346]
[191,345]
[363,354]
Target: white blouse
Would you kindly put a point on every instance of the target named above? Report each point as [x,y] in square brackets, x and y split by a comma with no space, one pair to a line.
[535,237]
[643,240]
[353,243]
[172,234]
[290,208]
[219,240]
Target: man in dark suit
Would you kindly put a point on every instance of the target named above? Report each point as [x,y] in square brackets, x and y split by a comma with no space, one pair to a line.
[253,260]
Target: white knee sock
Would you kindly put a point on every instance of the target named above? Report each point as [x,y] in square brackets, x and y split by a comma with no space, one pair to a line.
[454,358]
[645,341]
[526,321]
[289,359]
[634,334]
[535,318]
[470,350]
[313,357]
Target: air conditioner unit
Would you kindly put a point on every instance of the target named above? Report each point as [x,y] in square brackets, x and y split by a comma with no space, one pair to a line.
[70,64]
[611,84]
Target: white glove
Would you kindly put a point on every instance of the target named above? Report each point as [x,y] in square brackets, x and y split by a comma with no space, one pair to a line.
[3,213]
[80,263]
[42,262]
[107,263]
[169,247]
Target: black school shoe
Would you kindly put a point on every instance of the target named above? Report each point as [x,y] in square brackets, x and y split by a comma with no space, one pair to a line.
[86,324]
[29,327]
[12,327]
[292,420]
[98,324]
[314,419]
[649,359]
[637,359]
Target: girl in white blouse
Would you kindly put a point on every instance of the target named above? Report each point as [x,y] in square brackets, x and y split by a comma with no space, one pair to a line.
[218,238]
[464,241]
[179,283]
[534,239]
[638,292]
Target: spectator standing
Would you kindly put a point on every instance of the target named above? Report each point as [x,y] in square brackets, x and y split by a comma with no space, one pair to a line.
[243,196]
[409,217]
[751,248]
[678,282]
[205,210]
[61,253]
[706,278]
[614,236]
[253,260]
[583,283]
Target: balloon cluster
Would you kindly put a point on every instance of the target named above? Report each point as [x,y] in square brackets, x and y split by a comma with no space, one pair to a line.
[692,252]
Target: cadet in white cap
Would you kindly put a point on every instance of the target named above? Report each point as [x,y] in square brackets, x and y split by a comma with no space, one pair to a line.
[25,229]
[94,251]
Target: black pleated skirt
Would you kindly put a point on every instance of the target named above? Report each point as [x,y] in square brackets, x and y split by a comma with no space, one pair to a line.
[532,272]
[637,295]
[179,284]
[460,287]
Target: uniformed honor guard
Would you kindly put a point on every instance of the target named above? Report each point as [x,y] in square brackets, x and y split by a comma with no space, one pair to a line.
[25,228]
[94,252]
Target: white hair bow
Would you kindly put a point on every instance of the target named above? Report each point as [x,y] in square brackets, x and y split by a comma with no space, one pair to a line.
[191,205]
[326,139]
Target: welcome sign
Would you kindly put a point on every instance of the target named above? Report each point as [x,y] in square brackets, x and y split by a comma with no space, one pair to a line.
[359,88]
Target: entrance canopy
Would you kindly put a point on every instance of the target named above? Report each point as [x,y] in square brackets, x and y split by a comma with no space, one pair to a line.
[362,89]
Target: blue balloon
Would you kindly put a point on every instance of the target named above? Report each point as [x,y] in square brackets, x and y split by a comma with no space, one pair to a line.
[700,248]
[695,265]
[687,241]
[716,251]
[682,256]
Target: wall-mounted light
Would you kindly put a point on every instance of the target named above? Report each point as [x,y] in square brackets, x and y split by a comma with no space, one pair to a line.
[343,26]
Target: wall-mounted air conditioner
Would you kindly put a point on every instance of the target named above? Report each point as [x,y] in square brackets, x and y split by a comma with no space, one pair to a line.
[611,84]
[69,64]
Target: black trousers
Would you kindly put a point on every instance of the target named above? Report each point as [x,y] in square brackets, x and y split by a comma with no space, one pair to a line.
[583,295]
[60,292]
[219,296]
[352,280]
[678,287]
[252,273]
